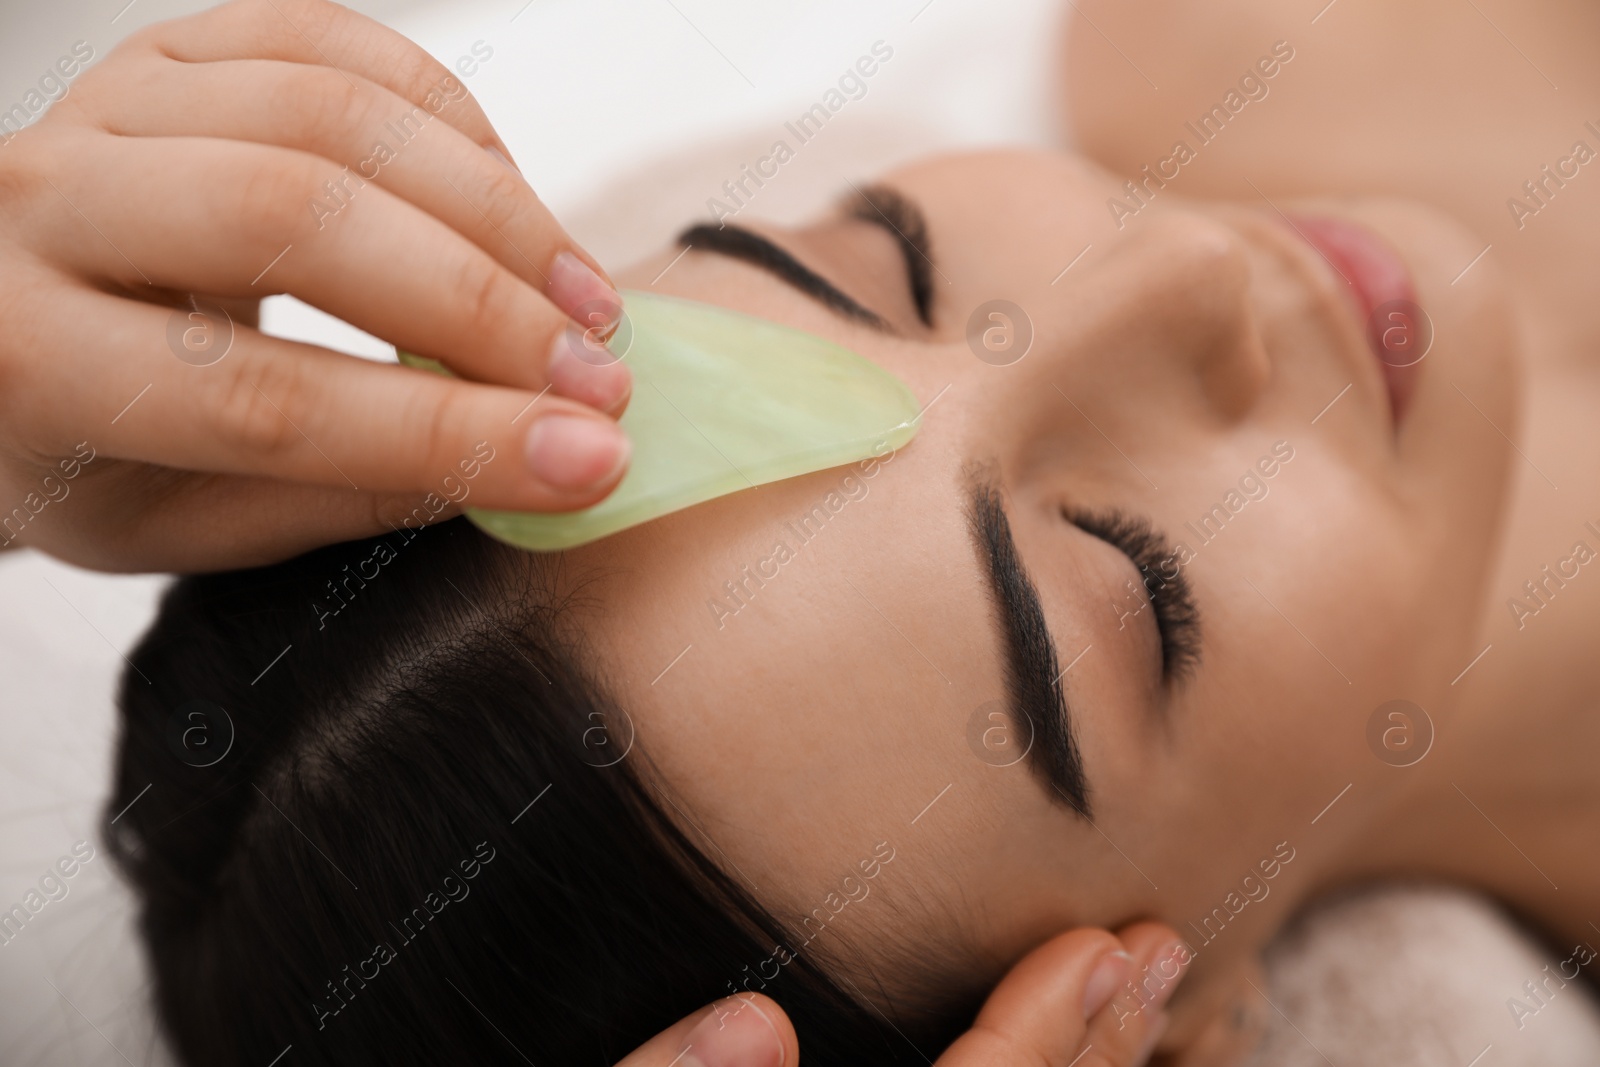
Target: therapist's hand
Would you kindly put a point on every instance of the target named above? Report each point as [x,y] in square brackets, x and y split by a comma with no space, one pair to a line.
[1066,1004]
[282,146]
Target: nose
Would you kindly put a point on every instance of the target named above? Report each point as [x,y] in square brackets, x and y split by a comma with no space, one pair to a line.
[1165,316]
[1184,287]
[1155,347]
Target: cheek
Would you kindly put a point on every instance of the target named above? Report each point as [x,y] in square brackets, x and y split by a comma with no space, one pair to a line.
[1318,603]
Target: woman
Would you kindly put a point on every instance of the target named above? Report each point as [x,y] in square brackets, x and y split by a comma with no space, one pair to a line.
[1187,546]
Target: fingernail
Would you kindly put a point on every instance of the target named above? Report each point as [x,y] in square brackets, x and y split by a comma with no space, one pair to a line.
[1148,1046]
[736,1034]
[583,369]
[1168,965]
[588,299]
[504,162]
[568,452]
[1106,979]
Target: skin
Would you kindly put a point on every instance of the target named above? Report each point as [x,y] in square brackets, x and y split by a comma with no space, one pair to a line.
[833,708]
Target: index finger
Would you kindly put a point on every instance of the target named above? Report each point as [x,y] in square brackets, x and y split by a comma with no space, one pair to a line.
[320,33]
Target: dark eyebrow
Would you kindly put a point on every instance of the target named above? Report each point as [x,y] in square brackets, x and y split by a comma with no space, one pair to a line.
[751,247]
[1032,670]
[903,220]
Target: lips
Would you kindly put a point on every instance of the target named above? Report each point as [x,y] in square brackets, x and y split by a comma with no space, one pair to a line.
[1382,297]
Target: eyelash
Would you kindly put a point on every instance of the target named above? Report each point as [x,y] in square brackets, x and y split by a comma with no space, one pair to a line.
[1177,616]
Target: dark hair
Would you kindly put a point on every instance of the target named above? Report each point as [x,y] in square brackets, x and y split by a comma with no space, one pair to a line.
[323,760]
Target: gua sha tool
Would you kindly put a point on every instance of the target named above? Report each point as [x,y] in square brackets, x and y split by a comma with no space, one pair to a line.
[721,402]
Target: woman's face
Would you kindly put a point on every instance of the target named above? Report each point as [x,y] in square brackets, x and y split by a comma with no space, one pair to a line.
[855,656]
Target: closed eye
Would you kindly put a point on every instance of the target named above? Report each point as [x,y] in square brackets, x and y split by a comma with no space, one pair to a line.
[898,215]
[1177,616]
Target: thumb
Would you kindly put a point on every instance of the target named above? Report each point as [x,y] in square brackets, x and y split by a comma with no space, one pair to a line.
[1056,1007]
[748,1030]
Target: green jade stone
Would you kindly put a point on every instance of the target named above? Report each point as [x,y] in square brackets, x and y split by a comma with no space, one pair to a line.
[722,401]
